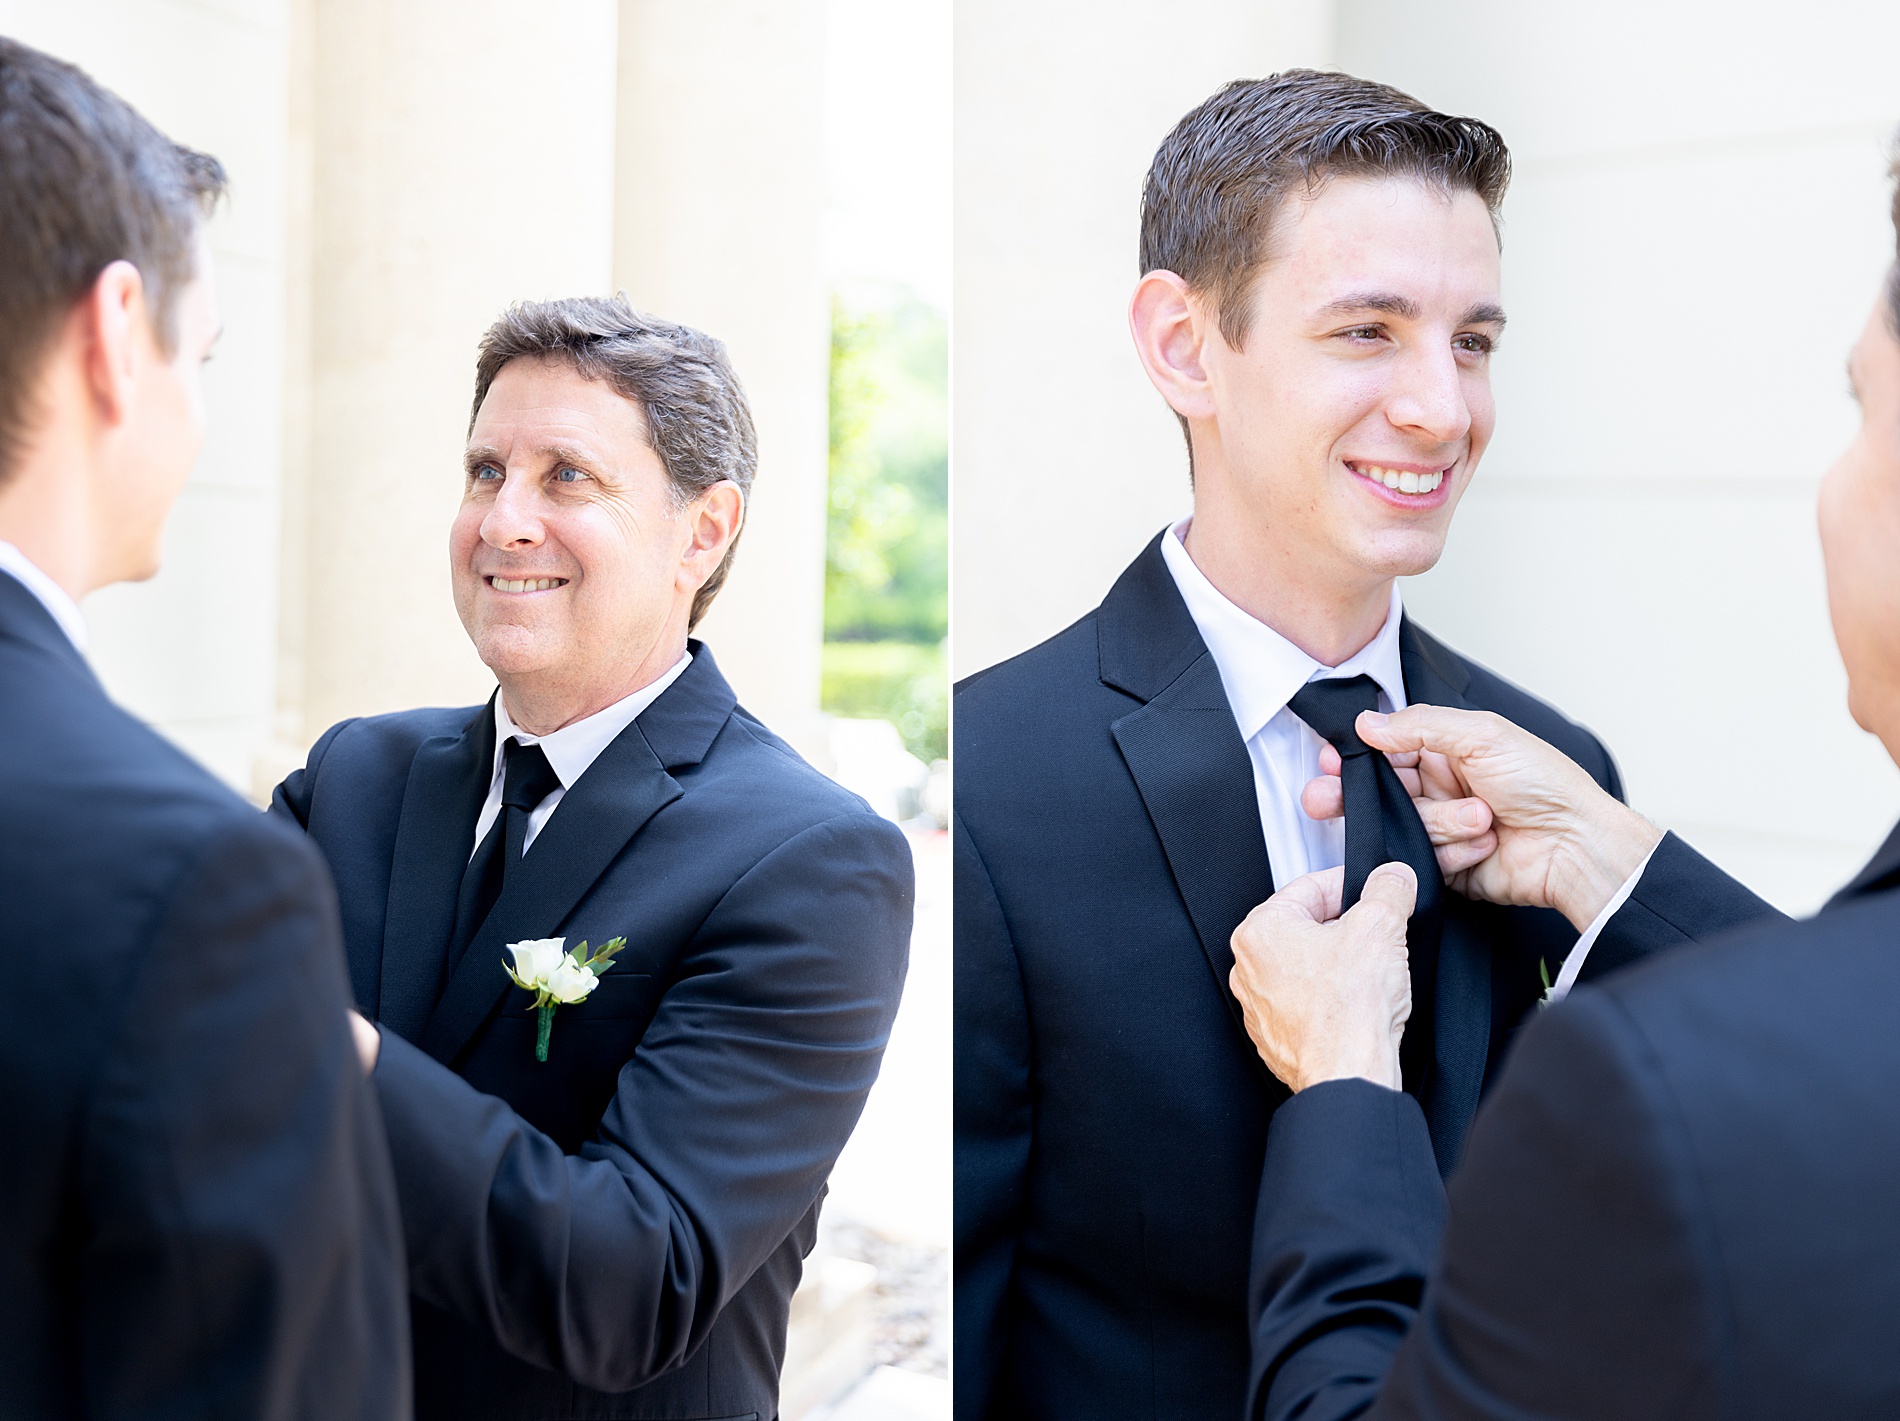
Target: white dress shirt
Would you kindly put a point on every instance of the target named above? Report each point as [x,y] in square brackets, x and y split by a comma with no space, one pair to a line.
[1261,671]
[59,606]
[570,750]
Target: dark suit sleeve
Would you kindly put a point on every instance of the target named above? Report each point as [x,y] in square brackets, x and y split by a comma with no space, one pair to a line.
[994,1123]
[1606,1314]
[611,1266]
[291,799]
[1680,898]
[1347,1225]
[242,1253]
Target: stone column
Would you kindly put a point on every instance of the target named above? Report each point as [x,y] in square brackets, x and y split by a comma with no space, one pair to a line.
[719,212]
[461,157]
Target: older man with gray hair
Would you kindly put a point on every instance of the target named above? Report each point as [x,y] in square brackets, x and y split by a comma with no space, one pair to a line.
[609,1159]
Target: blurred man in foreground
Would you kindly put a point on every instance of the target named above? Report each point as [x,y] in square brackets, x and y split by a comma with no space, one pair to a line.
[607,1186]
[1678,1201]
[199,1216]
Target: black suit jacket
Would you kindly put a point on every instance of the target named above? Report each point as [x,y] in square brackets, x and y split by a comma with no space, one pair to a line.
[198,1212]
[1712,1148]
[616,1232]
[1111,1112]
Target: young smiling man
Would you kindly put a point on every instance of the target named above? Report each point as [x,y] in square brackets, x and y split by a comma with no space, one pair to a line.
[611,1226]
[1319,304]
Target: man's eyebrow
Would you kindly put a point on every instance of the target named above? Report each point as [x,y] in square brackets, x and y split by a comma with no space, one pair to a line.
[1485,313]
[1404,307]
[549,453]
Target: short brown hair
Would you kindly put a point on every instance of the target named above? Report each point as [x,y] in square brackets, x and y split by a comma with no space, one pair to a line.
[1221,177]
[695,411]
[84,182]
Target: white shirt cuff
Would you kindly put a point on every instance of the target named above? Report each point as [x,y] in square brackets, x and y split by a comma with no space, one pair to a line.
[1573,964]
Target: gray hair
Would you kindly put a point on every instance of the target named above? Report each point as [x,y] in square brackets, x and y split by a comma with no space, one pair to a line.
[696,415]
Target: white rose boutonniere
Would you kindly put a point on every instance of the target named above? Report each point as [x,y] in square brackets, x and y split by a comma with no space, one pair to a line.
[556,976]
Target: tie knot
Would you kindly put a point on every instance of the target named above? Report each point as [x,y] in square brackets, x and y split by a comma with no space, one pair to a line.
[1332,706]
[528,777]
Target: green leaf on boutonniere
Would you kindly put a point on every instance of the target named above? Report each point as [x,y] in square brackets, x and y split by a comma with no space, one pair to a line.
[556,977]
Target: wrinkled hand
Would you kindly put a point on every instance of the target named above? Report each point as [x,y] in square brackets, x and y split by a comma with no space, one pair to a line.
[1326,996]
[1552,837]
[1459,823]
[369,1041]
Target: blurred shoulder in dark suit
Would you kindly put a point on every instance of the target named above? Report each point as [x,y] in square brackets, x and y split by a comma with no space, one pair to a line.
[199,1210]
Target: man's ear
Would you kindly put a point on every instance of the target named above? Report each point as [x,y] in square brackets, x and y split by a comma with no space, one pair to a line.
[714,519]
[1171,330]
[114,328]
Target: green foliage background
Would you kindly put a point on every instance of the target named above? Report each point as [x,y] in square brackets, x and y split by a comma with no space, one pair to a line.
[887,554]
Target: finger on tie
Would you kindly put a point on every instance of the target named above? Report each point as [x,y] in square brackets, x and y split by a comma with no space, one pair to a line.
[1324,797]
[1391,888]
[1313,896]
[1453,821]
[1454,734]
[1329,761]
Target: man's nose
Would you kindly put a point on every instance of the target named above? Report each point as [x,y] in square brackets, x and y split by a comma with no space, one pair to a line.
[514,518]
[1430,397]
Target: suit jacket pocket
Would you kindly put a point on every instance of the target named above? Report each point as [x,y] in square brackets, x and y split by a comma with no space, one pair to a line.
[618,994]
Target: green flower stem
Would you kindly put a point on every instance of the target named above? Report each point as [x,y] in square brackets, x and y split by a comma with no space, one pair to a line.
[544,1027]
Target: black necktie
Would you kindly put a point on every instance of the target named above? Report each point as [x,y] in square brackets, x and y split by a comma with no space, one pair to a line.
[1383,826]
[527,780]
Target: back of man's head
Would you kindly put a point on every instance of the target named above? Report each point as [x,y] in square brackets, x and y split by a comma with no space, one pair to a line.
[84,182]
[1221,177]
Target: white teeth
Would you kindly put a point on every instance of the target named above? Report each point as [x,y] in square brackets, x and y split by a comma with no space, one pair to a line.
[525,584]
[1403,480]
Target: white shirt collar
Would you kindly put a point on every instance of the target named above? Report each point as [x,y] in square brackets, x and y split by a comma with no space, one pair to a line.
[572,748]
[59,606]
[1259,669]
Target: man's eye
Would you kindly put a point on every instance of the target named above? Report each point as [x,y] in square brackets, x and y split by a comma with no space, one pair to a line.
[1364,333]
[568,475]
[485,473]
[1475,344]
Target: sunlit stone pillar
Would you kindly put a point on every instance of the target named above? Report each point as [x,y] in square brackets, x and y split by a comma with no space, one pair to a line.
[719,212]
[460,157]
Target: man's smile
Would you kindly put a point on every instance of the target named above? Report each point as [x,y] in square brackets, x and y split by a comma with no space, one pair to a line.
[524,584]
[1406,484]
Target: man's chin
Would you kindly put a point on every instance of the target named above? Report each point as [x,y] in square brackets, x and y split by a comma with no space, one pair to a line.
[1405,554]
[515,651]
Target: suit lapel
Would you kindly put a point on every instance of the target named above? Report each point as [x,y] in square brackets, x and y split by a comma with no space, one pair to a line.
[1462,1006]
[589,829]
[1186,757]
[448,780]
[1191,766]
